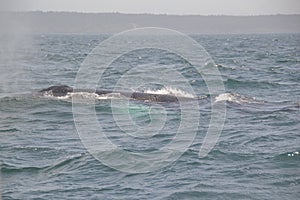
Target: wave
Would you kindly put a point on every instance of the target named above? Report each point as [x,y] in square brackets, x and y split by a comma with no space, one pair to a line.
[236,98]
[195,194]
[71,162]
[234,83]
[10,168]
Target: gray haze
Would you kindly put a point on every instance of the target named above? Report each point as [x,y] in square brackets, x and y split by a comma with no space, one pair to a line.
[178,7]
[66,22]
[110,21]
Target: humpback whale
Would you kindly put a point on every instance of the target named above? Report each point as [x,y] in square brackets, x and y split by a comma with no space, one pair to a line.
[63,90]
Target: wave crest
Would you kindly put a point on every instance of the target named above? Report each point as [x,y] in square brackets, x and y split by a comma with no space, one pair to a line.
[236,98]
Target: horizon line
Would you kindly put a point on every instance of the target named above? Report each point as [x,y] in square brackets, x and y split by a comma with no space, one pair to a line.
[155,14]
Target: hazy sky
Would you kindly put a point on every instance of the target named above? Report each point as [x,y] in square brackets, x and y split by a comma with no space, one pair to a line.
[201,7]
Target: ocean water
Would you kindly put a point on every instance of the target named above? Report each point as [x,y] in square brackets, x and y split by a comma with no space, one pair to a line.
[42,156]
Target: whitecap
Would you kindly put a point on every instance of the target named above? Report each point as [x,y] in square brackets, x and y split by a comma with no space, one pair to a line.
[236,98]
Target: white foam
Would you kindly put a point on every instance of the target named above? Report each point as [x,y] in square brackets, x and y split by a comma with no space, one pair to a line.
[170,91]
[235,98]
[295,153]
[85,95]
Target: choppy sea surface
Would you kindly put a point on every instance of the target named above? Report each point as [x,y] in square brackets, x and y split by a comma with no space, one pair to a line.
[256,156]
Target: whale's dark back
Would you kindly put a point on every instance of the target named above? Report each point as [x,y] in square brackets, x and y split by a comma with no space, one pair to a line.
[57,91]
[153,97]
[62,90]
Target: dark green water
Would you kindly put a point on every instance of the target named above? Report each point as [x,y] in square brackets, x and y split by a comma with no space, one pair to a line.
[256,157]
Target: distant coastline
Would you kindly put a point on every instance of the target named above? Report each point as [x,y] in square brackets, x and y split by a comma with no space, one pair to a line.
[93,23]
